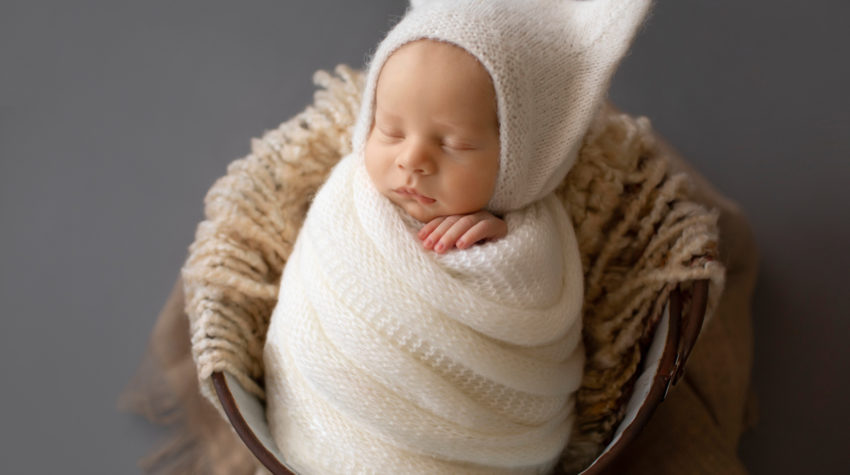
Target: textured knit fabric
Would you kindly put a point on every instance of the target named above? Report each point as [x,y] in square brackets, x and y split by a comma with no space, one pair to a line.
[550,62]
[384,357]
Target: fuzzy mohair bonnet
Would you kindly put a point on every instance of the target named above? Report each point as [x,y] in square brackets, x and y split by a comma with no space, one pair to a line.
[550,62]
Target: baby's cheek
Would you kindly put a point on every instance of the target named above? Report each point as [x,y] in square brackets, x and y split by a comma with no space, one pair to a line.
[374,169]
[476,190]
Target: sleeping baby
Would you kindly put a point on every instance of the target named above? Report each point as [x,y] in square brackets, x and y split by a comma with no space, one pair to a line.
[428,319]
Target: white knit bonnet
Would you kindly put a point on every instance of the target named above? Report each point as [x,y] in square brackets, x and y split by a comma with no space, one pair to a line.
[550,62]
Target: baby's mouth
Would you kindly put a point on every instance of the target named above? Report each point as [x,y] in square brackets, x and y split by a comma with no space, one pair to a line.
[412,193]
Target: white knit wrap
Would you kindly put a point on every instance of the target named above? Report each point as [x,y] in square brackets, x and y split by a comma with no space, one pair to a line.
[550,61]
[384,357]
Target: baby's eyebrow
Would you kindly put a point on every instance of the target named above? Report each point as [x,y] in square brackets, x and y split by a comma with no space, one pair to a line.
[458,127]
[385,114]
[454,126]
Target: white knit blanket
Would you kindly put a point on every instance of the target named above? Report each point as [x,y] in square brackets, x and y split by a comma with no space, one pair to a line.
[384,357]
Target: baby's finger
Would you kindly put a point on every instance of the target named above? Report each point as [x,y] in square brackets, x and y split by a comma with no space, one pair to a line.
[430,226]
[434,239]
[482,230]
[458,229]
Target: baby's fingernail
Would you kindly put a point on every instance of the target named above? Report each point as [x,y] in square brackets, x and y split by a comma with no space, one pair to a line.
[461,244]
[428,243]
[439,247]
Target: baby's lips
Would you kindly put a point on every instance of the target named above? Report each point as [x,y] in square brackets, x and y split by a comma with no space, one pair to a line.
[412,193]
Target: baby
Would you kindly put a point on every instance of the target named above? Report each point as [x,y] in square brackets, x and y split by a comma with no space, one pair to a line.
[428,319]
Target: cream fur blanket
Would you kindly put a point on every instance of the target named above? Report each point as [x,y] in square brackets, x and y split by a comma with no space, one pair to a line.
[385,357]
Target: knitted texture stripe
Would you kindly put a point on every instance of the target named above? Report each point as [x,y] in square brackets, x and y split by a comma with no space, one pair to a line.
[386,357]
[550,61]
[639,235]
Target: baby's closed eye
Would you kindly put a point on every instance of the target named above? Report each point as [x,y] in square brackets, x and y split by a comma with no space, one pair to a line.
[458,145]
[389,133]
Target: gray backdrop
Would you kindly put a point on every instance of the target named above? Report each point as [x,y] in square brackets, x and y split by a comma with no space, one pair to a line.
[116,117]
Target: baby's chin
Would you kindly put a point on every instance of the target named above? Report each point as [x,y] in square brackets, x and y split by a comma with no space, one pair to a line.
[418,212]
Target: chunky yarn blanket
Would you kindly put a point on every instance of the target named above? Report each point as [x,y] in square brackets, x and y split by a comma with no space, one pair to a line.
[382,356]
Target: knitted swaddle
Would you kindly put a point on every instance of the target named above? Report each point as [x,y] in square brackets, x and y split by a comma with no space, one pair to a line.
[384,357]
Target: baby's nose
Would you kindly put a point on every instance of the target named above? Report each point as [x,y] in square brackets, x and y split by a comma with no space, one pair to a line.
[416,158]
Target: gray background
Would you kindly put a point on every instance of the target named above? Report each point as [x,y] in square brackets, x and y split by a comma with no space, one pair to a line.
[116,117]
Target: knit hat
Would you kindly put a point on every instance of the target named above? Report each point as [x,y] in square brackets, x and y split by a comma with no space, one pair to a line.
[550,62]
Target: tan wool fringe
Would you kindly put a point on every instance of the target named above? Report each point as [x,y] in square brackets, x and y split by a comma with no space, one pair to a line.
[638,232]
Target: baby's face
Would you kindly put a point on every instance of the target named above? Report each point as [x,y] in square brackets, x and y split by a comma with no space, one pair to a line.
[434,144]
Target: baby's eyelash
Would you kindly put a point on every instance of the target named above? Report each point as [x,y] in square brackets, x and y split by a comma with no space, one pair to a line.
[392,133]
[458,146]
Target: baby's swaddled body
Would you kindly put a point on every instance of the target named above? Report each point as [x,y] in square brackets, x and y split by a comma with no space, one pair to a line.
[382,356]
[385,354]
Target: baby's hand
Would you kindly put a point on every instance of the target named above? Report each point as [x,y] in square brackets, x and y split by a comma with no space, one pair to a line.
[463,230]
